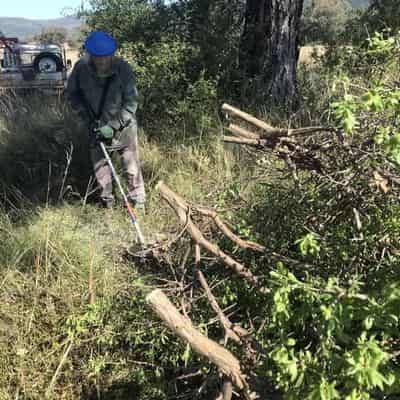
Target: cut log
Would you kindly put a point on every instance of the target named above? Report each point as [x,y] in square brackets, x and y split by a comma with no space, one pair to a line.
[183,327]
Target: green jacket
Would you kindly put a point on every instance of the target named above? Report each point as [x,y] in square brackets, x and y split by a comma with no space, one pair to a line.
[84,91]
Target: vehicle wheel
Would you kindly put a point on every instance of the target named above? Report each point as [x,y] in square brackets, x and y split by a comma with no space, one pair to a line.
[47,62]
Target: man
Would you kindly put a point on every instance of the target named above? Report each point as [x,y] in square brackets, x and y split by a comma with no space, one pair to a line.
[102,89]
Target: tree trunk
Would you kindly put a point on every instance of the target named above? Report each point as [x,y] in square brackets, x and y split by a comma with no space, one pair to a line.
[269,48]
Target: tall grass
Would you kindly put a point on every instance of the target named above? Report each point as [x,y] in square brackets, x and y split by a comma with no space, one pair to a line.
[72,318]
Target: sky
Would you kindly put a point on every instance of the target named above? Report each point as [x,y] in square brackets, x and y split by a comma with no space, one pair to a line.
[37,9]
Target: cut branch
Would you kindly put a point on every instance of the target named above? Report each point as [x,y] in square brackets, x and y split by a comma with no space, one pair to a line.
[225,322]
[226,231]
[183,327]
[181,208]
[226,391]
[247,117]
[269,132]
[250,142]
[309,130]
[241,132]
[284,143]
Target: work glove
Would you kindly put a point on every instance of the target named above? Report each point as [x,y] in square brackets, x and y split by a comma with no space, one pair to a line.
[105,132]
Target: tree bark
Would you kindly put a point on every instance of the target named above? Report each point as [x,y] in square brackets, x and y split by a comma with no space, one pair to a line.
[269,48]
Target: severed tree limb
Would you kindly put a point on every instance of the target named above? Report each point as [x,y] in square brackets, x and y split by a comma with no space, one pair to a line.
[269,131]
[308,130]
[180,206]
[245,244]
[240,140]
[279,132]
[291,153]
[232,331]
[183,327]
[247,117]
[226,323]
[241,132]
[226,391]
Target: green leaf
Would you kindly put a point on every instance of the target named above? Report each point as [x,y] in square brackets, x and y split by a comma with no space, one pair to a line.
[373,101]
[369,322]
[308,244]
[349,121]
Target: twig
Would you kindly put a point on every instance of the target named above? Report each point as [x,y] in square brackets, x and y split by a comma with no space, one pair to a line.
[58,370]
[225,322]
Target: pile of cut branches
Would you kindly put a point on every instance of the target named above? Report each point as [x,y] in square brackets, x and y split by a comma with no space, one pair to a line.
[180,323]
[347,188]
[325,150]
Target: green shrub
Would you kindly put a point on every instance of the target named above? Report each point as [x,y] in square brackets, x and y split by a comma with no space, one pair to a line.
[168,90]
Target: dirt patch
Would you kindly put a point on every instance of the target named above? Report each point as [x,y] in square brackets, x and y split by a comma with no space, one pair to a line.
[309,54]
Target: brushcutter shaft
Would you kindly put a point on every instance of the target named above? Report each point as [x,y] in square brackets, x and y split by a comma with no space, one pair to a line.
[125,198]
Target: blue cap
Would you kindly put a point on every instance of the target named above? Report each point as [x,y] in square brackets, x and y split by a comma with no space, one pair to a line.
[100,43]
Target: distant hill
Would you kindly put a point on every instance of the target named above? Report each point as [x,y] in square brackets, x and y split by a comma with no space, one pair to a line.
[354,3]
[360,3]
[24,27]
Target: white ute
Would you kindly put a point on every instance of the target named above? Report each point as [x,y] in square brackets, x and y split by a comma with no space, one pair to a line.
[32,66]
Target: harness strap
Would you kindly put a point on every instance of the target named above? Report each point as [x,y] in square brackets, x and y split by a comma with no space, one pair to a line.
[103,97]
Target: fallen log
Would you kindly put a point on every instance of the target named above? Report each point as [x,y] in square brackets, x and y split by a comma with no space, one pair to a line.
[183,327]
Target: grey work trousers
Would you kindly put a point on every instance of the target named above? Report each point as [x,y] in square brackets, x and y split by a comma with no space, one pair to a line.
[127,146]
